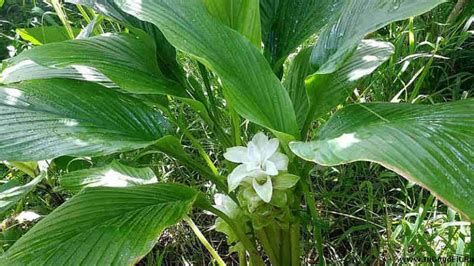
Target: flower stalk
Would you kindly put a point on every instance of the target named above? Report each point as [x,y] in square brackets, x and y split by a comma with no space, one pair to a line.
[204,241]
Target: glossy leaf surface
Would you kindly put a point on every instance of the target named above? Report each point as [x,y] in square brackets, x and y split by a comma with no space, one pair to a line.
[113,175]
[125,60]
[356,19]
[11,192]
[45,34]
[326,91]
[248,81]
[166,54]
[241,15]
[103,226]
[294,82]
[288,23]
[44,119]
[432,146]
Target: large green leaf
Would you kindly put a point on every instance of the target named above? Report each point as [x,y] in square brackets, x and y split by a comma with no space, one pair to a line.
[288,23]
[45,34]
[113,175]
[431,145]
[11,192]
[294,82]
[166,54]
[126,60]
[44,119]
[103,226]
[326,91]
[241,15]
[107,8]
[358,18]
[315,95]
[248,81]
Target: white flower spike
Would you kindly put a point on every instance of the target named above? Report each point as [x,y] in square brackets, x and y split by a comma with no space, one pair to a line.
[258,161]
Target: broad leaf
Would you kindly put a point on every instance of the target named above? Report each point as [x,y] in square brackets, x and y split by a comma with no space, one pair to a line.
[358,18]
[315,95]
[11,192]
[241,15]
[28,168]
[107,8]
[45,119]
[288,23]
[103,226]
[294,82]
[326,91]
[104,58]
[431,145]
[45,34]
[112,175]
[166,54]
[249,83]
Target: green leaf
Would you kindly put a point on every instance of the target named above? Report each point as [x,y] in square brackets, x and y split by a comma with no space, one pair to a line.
[113,175]
[356,19]
[431,145]
[294,82]
[288,23]
[105,58]
[107,8]
[317,94]
[326,91]
[249,83]
[45,34]
[166,54]
[285,181]
[103,226]
[241,15]
[11,192]
[44,119]
[28,168]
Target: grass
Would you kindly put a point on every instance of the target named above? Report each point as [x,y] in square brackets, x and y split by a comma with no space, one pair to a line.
[369,215]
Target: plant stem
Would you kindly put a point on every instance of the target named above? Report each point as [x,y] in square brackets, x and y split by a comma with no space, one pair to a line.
[84,13]
[210,94]
[267,246]
[235,119]
[471,251]
[201,151]
[204,241]
[311,203]
[255,258]
[285,249]
[460,5]
[273,230]
[58,8]
[242,258]
[295,243]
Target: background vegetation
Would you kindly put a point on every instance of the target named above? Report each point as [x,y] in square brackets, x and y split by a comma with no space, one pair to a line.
[368,214]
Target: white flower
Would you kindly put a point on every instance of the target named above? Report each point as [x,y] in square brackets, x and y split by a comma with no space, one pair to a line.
[27,216]
[259,161]
[226,205]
